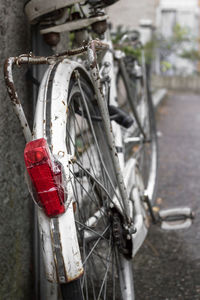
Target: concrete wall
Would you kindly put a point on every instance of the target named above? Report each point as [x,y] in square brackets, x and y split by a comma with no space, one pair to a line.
[15,208]
[179,83]
[130,12]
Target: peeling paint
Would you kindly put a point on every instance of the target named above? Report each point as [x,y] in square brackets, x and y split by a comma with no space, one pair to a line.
[61,153]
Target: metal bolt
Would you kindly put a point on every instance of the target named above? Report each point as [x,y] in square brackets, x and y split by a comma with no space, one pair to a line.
[107,64]
[132,230]
[128,237]
[52,38]
[62,279]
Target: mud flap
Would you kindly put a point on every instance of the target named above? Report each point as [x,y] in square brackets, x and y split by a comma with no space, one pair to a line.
[60,247]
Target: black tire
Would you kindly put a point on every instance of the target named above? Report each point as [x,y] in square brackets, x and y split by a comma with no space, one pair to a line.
[71,290]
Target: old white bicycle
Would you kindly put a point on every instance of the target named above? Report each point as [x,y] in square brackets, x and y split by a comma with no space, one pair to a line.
[91,157]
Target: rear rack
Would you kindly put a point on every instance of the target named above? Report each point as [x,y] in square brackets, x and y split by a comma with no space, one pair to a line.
[25,59]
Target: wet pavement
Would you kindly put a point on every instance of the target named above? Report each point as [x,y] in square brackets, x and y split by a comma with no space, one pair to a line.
[168,265]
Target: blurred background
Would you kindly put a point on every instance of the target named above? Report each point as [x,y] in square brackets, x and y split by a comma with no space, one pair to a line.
[168,265]
[172,30]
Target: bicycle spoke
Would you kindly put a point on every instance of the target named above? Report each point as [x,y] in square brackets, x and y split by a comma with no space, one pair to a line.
[88,194]
[97,146]
[90,229]
[95,245]
[93,188]
[106,273]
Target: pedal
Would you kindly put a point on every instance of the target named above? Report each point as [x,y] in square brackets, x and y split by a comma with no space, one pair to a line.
[176,218]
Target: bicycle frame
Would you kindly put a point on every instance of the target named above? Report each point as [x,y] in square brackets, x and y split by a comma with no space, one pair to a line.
[58,235]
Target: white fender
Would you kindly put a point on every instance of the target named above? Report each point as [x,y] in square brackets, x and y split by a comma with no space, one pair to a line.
[58,235]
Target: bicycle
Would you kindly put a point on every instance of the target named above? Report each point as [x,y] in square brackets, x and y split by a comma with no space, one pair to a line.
[87,170]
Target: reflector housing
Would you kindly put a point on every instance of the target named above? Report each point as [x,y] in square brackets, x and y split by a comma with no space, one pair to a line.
[46,177]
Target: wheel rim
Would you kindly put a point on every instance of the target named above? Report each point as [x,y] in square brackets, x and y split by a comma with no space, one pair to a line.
[93,187]
[144,150]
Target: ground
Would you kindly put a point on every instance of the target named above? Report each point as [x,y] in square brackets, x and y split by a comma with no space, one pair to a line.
[167,267]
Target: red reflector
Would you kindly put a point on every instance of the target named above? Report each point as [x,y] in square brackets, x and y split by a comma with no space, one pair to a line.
[35,156]
[46,177]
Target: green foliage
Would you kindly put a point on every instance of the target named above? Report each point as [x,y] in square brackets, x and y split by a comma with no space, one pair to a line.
[182,37]
[149,50]
[71,39]
[192,55]
[165,65]
[180,34]
[117,35]
[129,48]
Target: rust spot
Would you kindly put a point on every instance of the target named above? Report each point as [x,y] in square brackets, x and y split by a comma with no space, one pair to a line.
[61,153]
[63,102]
[51,124]
[49,277]
[81,271]
[74,206]
[44,121]
[42,241]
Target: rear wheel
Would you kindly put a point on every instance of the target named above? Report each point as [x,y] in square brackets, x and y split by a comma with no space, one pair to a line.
[101,235]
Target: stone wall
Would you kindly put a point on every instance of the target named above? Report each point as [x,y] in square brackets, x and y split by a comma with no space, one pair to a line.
[15,209]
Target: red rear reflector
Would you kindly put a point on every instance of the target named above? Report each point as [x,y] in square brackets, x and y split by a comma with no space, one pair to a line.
[46,177]
[35,156]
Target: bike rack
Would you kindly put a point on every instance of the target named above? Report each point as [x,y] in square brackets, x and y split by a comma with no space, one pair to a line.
[30,59]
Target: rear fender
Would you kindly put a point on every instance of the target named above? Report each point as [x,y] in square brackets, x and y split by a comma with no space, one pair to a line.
[59,242]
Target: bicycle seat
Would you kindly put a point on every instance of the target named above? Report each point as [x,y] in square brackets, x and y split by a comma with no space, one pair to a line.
[35,9]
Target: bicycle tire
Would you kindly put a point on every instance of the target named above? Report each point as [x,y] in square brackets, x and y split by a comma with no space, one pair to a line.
[135,94]
[93,185]
[71,290]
